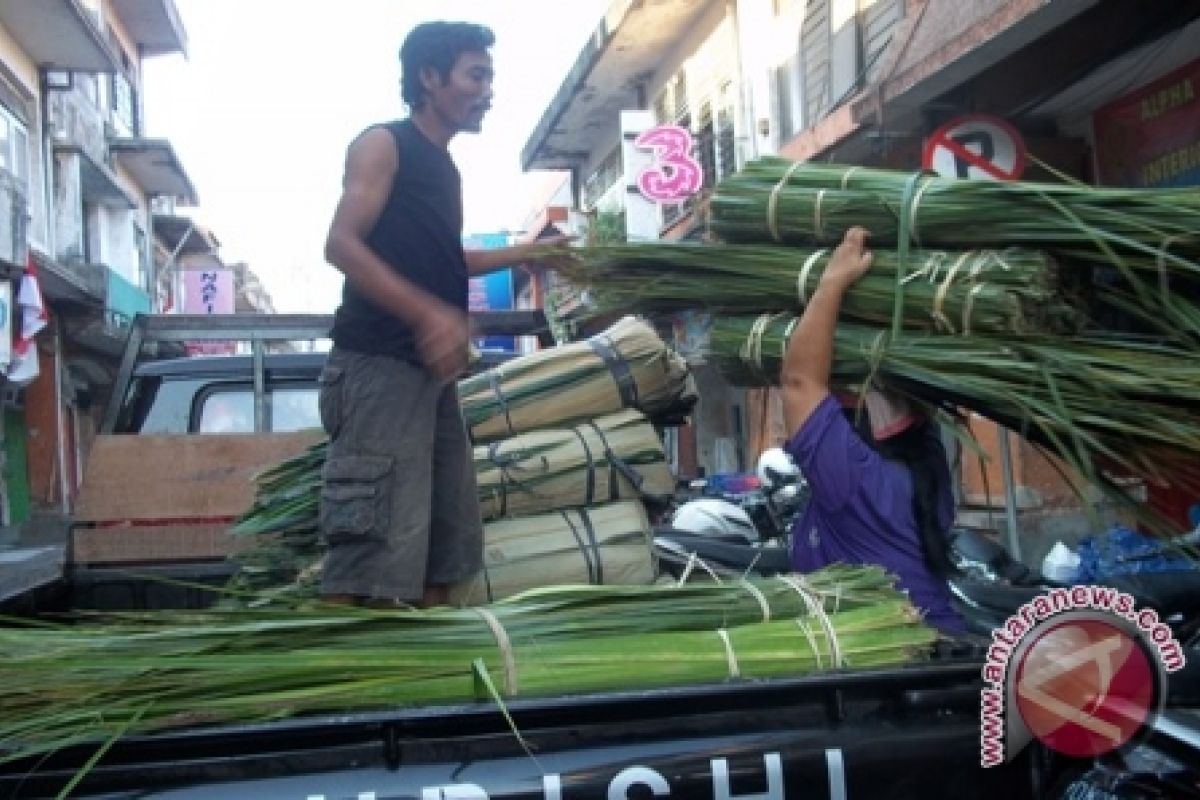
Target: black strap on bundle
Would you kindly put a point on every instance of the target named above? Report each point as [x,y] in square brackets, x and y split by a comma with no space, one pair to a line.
[487,583]
[603,346]
[494,380]
[501,464]
[590,493]
[590,549]
[616,465]
[591,534]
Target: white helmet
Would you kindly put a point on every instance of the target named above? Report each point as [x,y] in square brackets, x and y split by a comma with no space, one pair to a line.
[709,516]
[776,469]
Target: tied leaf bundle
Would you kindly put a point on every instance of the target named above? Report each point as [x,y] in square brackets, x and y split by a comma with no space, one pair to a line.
[617,456]
[1010,291]
[627,366]
[773,199]
[1125,405]
[606,545]
[94,679]
[1150,238]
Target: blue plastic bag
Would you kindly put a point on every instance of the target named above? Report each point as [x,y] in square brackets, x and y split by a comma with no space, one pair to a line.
[1121,551]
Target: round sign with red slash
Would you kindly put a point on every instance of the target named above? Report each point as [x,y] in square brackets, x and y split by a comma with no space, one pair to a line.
[976,146]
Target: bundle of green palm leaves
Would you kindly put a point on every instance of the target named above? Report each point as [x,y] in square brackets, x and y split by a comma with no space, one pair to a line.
[1011,291]
[626,366]
[773,199]
[101,678]
[1124,405]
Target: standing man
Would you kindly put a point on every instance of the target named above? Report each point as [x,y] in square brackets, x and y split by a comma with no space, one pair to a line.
[398,508]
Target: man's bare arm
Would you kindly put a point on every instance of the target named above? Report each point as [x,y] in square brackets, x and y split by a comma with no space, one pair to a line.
[441,330]
[550,250]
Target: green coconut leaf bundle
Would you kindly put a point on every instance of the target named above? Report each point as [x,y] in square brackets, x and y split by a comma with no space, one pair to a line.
[1126,405]
[92,680]
[1011,291]
[773,199]
[626,366]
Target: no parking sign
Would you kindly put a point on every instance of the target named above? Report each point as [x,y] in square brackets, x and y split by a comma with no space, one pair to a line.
[976,146]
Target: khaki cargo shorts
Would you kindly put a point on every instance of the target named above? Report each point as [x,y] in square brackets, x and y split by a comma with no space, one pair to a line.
[398,506]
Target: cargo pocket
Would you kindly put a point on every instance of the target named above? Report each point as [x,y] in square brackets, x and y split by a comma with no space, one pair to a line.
[329,398]
[356,499]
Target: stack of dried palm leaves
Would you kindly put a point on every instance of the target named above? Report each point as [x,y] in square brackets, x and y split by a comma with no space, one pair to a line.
[551,496]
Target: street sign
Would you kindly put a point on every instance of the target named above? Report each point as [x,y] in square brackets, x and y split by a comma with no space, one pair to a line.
[976,146]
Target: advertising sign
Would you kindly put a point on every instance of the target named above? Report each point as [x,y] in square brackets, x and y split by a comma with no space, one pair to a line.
[1151,138]
[492,292]
[209,291]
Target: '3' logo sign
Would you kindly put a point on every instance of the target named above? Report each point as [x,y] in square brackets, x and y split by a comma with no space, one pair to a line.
[675,174]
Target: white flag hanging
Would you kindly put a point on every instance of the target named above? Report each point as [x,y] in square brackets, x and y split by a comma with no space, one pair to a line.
[34,317]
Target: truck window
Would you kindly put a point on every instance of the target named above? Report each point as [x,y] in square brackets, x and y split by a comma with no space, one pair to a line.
[294,408]
[231,410]
[161,406]
[226,411]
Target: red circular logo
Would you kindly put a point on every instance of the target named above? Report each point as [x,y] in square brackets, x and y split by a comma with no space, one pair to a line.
[1084,687]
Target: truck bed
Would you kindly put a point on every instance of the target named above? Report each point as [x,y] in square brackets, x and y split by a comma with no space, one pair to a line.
[910,732]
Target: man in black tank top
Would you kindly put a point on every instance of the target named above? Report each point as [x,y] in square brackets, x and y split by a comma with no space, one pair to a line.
[398,509]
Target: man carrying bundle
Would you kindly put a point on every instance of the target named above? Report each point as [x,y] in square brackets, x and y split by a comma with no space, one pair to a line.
[398,508]
[880,490]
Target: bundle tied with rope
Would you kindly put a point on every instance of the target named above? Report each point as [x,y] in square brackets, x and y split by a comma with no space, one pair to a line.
[96,679]
[1100,405]
[597,545]
[1147,237]
[955,293]
[597,461]
[615,457]
[626,366]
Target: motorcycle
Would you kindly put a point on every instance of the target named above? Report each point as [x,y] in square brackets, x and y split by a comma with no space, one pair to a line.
[732,528]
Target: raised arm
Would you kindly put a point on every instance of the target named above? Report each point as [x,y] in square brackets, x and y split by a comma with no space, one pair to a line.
[809,355]
[551,250]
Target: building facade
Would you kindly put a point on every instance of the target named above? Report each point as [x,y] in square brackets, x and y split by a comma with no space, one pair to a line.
[1102,91]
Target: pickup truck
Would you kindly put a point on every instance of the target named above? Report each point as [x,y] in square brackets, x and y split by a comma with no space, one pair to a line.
[908,732]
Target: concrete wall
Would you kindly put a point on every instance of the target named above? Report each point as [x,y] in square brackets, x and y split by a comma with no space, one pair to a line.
[68,208]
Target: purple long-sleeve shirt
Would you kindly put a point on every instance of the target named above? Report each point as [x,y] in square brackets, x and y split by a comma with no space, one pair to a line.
[861,512]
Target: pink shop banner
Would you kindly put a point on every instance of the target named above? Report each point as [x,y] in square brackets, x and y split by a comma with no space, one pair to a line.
[208,291]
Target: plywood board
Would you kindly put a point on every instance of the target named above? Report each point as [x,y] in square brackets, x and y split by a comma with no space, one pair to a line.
[202,478]
[152,544]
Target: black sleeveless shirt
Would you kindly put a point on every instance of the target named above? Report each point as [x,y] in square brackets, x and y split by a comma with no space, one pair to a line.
[419,235]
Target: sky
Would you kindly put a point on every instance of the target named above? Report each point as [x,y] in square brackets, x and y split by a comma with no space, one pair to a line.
[261,111]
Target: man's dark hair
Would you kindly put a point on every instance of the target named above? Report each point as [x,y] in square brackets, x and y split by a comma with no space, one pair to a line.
[437,46]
